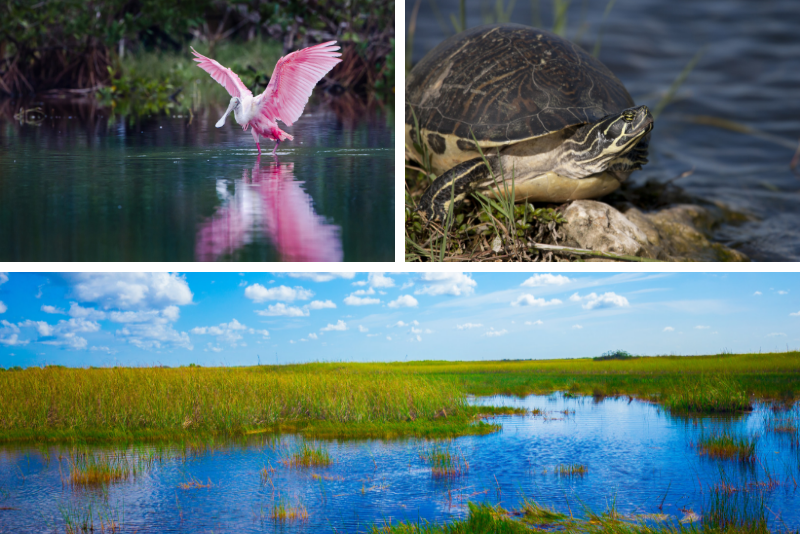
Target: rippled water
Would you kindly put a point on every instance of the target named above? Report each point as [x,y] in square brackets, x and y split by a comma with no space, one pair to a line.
[78,186]
[636,456]
[749,74]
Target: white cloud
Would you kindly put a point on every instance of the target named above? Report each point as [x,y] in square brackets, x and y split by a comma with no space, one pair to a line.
[606,300]
[42,327]
[3,307]
[538,280]
[352,300]
[103,349]
[446,284]
[701,327]
[380,280]
[529,300]
[362,292]
[3,278]
[229,333]
[53,310]
[321,304]
[312,335]
[130,290]
[668,329]
[259,293]
[577,327]
[538,321]
[795,314]
[322,277]
[757,293]
[403,301]
[398,324]
[280,308]
[9,334]
[467,326]
[76,310]
[151,329]
[782,292]
[775,334]
[362,329]
[64,333]
[496,333]
[389,338]
[340,325]
[264,333]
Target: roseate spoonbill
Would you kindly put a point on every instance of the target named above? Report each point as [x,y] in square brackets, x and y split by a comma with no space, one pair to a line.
[286,95]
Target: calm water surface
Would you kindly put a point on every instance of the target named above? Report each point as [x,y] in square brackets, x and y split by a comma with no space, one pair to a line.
[749,75]
[78,186]
[636,455]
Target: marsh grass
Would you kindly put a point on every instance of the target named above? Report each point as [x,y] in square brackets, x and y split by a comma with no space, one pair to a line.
[308,455]
[728,446]
[569,470]
[535,513]
[718,394]
[90,518]
[88,467]
[445,461]
[282,512]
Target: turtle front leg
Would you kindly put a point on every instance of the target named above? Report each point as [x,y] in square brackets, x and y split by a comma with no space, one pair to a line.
[452,187]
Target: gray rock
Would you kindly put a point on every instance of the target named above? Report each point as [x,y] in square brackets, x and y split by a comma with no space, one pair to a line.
[597,226]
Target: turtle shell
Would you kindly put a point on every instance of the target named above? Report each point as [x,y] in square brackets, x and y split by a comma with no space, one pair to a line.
[505,83]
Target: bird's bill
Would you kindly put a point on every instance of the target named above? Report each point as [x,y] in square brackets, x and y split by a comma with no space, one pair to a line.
[221,122]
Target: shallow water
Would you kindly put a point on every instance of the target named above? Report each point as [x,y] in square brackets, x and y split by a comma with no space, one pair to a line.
[636,455]
[749,73]
[78,186]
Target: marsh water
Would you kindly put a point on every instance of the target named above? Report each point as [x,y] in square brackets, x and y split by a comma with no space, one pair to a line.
[733,125]
[79,185]
[639,460]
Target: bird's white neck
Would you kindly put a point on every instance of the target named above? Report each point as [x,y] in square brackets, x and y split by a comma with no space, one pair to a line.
[245,110]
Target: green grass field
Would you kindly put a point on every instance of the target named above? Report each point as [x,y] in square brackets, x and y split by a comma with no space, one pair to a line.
[350,400]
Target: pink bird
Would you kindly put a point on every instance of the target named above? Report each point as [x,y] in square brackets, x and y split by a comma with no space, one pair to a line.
[291,84]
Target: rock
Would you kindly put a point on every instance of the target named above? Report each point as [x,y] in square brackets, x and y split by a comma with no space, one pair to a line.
[678,233]
[597,226]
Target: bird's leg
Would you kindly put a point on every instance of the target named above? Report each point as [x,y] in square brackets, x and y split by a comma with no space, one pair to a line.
[255,138]
[277,142]
[258,145]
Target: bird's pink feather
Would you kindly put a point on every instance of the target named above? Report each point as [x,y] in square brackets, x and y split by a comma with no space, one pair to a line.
[294,78]
[224,76]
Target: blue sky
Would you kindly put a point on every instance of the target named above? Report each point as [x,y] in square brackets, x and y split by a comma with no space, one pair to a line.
[81,319]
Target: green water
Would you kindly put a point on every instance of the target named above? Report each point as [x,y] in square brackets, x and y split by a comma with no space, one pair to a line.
[78,186]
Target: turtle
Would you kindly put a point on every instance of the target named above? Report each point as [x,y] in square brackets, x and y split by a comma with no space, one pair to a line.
[504,102]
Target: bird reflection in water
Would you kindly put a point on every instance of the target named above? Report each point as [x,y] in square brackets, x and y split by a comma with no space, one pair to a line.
[268,202]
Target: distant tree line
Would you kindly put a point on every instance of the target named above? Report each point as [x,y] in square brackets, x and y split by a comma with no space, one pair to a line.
[55,44]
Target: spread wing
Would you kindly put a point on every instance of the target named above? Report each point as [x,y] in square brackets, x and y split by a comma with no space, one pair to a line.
[293,80]
[223,76]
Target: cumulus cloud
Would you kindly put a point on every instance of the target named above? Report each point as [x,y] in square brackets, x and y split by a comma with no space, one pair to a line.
[782,292]
[64,333]
[536,322]
[529,300]
[229,333]
[446,284]
[281,309]
[53,310]
[467,326]
[3,307]
[352,300]
[795,314]
[259,293]
[403,301]
[151,329]
[322,277]
[264,333]
[3,278]
[495,333]
[340,325]
[577,327]
[312,335]
[91,314]
[606,300]
[321,304]
[9,334]
[380,280]
[757,293]
[103,349]
[363,329]
[538,280]
[130,290]
[668,329]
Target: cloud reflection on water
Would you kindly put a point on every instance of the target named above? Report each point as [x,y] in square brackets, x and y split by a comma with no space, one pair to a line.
[268,202]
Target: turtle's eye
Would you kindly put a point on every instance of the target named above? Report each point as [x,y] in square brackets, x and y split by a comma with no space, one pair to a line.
[628,116]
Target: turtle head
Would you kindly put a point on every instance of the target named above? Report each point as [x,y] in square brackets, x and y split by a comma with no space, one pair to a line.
[235,103]
[594,146]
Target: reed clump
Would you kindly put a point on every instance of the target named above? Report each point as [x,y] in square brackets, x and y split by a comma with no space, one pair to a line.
[282,513]
[97,468]
[533,512]
[444,461]
[728,446]
[569,470]
[309,456]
